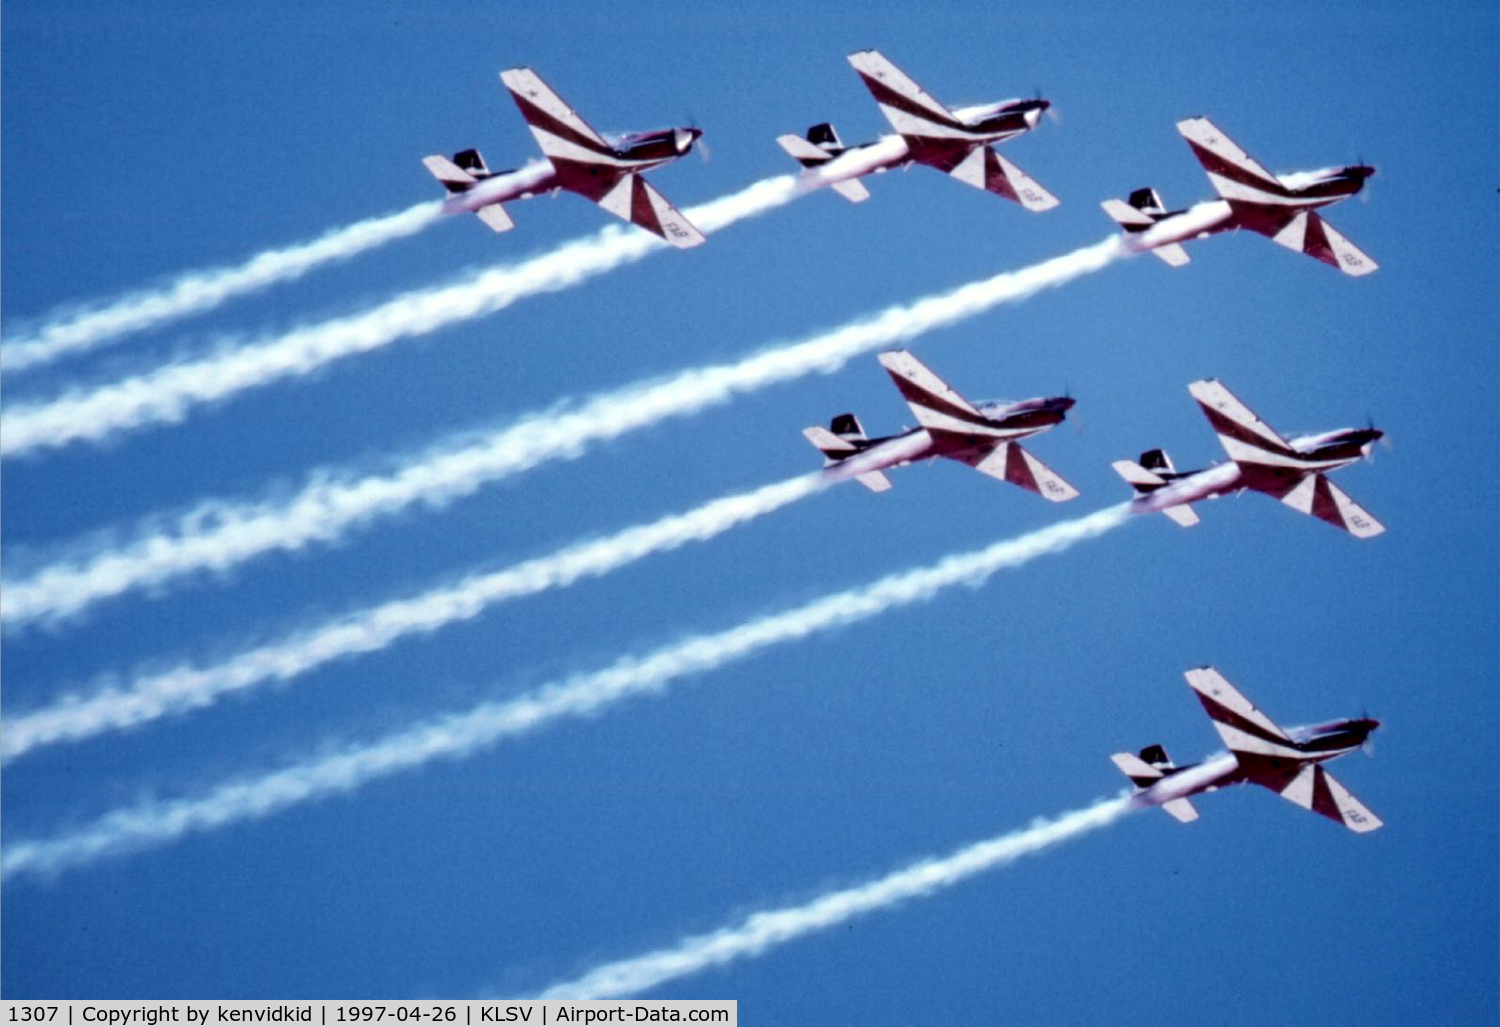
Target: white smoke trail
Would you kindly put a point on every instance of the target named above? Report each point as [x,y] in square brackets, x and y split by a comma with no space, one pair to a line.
[193,293]
[220,535]
[766,930]
[187,687]
[169,393]
[462,734]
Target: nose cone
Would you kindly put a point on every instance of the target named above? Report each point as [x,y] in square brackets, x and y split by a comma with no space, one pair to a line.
[1034,111]
[1062,404]
[686,137]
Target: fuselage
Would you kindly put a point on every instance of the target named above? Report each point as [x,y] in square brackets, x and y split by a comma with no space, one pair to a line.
[1190,487]
[1004,422]
[1316,743]
[634,153]
[1251,207]
[984,124]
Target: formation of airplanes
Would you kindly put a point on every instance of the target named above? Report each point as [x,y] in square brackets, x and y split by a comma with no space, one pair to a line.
[986,435]
[959,142]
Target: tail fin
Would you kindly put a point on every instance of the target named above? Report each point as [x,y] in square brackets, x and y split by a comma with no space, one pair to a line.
[847,426]
[1157,461]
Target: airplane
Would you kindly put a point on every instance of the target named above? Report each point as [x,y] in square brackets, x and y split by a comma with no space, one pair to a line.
[1287,762]
[1279,206]
[578,160]
[1293,471]
[981,435]
[953,141]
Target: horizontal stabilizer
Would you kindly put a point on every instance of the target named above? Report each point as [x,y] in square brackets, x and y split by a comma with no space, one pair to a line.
[495,216]
[852,190]
[1183,514]
[1182,810]
[1137,476]
[1127,216]
[829,444]
[1173,254]
[875,481]
[1009,462]
[805,153]
[454,178]
[1143,774]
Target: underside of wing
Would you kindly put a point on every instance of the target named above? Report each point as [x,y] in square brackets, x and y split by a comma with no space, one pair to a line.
[1308,233]
[636,200]
[985,169]
[1234,173]
[1247,732]
[935,403]
[907,106]
[1321,498]
[1315,789]
[1009,462]
[1245,436]
[557,127]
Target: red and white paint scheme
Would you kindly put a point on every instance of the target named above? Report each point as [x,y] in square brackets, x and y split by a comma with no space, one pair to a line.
[956,142]
[1287,762]
[1293,471]
[981,435]
[1278,206]
[579,160]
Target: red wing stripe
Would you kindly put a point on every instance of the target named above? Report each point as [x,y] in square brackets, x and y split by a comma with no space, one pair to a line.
[888,97]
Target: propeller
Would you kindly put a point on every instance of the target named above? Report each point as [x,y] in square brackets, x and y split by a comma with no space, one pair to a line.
[1053,114]
[1368,745]
[700,144]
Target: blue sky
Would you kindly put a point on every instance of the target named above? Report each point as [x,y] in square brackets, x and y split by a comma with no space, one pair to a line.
[146,141]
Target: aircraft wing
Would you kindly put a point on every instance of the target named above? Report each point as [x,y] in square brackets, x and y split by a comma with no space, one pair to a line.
[985,169]
[1315,789]
[1009,462]
[934,402]
[1249,734]
[558,129]
[907,106]
[1321,498]
[1245,437]
[1308,233]
[1234,173]
[635,200]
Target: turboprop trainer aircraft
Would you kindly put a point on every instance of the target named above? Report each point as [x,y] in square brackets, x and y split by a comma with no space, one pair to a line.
[1287,762]
[1260,460]
[953,141]
[982,436]
[578,160]
[1279,206]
